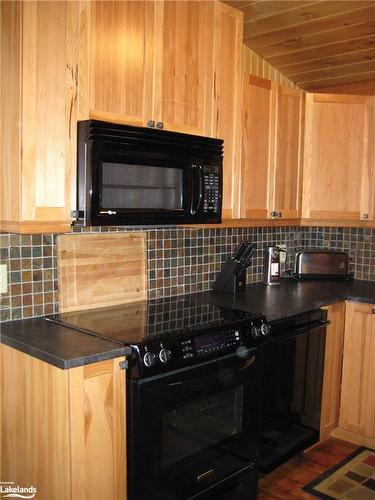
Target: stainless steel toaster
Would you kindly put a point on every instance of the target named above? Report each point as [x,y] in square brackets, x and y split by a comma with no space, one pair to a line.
[321,264]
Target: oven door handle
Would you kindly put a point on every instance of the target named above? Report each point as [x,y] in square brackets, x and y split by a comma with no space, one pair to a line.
[295,332]
[199,177]
[245,363]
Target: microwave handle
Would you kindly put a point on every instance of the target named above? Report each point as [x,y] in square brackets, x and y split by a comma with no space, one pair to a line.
[199,177]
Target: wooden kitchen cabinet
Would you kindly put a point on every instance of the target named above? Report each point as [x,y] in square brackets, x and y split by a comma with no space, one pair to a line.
[357,406]
[338,177]
[39,64]
[149,61]
[63,431]
[117,74]
[227,100]
[271,150]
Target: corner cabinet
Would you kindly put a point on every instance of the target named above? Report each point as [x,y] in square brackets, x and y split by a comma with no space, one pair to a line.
[39,61]
[63,431]
[271,150]
[357,406]
[338,175]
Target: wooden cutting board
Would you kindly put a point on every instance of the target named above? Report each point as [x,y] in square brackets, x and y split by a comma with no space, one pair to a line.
[101,269]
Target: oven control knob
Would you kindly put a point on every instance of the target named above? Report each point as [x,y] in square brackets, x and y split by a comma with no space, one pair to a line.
[255,332]
[165,355]
[265,329]
[149,359]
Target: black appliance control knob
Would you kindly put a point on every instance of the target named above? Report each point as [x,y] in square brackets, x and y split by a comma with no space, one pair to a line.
[255,332]
[265,329]
[165,355]
[149,359]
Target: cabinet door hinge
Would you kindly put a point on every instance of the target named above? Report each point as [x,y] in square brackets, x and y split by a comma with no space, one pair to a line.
[124,365]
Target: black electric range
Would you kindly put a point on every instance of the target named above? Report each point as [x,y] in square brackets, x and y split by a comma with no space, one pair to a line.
[170,333]
[193,399]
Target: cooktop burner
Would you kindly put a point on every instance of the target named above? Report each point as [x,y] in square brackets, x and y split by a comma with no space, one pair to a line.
[139,321]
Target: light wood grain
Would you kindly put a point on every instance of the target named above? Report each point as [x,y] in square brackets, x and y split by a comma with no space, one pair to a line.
[183,70]
[35,425]
[357,410]
[256,148]
[227,99]
[290,35]
[286,161]
[97,438]
[41,110]
[101,269]
[332,369]
[121,63]
[338,159]
[63,431]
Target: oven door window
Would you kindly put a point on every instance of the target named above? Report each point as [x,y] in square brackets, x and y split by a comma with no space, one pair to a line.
[193,427]
[141,187]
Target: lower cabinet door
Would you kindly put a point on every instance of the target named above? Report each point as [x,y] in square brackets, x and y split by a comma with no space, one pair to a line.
[357,410]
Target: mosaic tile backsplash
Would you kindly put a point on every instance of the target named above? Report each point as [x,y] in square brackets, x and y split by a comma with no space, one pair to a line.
[180,260]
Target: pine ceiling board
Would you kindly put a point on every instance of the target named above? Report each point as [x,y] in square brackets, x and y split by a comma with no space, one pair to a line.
[240,4]
[296,16]
[362,87]
[341,71]
[260,10]
[287,62]
[315,27]
[317,40]
[325,63]
[319,84]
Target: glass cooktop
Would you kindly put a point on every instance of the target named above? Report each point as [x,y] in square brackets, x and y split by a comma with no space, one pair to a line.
[135,322]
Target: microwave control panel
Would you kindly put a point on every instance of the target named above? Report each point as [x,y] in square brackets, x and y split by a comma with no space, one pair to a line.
[211,200]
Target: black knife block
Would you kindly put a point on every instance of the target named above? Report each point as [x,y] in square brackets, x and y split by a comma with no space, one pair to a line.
[228,281]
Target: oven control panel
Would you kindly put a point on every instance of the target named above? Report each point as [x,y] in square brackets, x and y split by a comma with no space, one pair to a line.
[210,343]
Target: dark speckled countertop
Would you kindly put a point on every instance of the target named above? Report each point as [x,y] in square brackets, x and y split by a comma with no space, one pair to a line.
[67,348]
[292,297]
[55,344]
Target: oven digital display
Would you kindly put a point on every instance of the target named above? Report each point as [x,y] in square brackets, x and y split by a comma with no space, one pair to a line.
[208,341]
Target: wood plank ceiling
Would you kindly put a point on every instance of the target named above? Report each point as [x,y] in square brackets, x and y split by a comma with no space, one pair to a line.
[317,44]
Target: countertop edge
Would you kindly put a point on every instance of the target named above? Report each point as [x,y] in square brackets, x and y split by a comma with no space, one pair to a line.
[64,364]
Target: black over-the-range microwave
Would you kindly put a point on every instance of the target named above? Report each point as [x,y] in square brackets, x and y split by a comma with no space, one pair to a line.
[134,175]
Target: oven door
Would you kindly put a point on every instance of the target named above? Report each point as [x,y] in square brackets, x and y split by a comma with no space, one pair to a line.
[193,431]
[142,187]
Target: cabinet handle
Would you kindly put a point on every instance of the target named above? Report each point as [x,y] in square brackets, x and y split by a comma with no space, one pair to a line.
[373,310]
[279,215]
[151,123]
[159,125]
[365,216]
[274,214]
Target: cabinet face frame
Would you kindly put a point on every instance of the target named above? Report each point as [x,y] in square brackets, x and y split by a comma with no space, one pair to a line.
[365,187]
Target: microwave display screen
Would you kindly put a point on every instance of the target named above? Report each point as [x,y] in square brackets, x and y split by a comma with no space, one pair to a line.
[138,187]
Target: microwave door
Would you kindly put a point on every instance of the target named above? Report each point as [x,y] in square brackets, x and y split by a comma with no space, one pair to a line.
[146,191]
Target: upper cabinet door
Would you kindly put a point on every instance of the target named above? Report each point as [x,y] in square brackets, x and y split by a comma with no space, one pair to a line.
[256,143]
[338,158]
[121,61]
[227,99]
[285,188]
[183,45]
